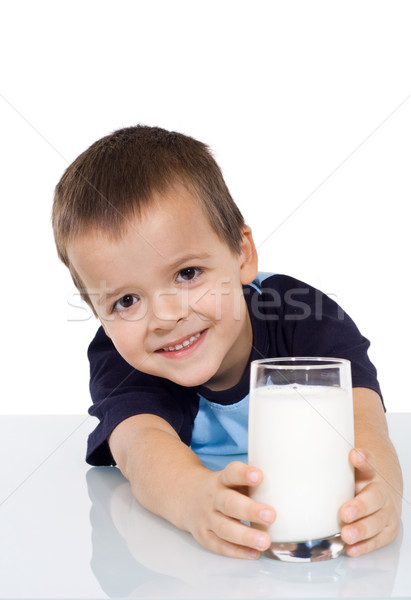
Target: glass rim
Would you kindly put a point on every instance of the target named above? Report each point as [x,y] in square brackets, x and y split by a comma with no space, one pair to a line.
[301,362]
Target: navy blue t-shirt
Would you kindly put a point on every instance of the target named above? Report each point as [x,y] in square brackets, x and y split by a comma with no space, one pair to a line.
[288,317]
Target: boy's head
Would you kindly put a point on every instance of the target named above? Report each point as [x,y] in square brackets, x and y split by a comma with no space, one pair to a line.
[157,247]
[117,177]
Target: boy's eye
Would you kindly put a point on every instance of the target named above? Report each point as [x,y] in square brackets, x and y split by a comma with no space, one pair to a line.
[188,274]
[125,302]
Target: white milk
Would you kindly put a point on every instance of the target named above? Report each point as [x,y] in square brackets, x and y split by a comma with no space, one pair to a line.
[300,437]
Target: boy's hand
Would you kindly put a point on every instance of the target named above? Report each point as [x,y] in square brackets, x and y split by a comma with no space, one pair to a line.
[169,479]
[373,516]
[219,504]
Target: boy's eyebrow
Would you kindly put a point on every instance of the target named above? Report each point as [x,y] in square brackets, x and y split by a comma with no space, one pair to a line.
[186,258]
[105,297]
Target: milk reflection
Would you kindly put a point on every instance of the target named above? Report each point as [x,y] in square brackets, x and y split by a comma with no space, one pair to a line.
[136,554]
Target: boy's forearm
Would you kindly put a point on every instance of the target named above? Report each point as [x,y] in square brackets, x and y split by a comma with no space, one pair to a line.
[371,433]
[161,469]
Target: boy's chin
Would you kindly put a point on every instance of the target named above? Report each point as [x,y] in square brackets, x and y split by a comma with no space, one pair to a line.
[193,379]
[191,382]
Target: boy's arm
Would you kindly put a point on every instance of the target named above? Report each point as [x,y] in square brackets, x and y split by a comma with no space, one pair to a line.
[373,516]
[170,480]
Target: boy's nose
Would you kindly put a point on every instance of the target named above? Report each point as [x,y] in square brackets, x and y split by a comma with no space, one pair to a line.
[168,307]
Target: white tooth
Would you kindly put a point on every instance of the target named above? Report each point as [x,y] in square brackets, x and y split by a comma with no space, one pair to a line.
[184,344]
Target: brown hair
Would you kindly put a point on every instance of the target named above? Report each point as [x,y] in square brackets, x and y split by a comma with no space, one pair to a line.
[116,177]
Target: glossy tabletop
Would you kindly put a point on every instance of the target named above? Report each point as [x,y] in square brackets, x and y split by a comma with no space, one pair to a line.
[70,531]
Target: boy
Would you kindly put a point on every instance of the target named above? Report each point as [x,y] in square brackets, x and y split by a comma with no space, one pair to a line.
[157,247]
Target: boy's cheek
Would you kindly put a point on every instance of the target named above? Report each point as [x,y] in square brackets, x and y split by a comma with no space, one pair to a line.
[217,304]
[104,326]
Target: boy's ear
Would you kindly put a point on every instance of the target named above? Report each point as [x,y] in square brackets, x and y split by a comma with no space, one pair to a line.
[249,258]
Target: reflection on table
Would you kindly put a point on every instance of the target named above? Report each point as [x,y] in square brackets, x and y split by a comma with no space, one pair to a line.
[68,531]
[137,554]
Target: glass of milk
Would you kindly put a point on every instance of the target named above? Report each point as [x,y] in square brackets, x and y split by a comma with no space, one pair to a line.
[301,430]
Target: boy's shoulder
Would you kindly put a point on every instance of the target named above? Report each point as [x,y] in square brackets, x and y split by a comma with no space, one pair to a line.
[268,280]
[261,279]
[280,286]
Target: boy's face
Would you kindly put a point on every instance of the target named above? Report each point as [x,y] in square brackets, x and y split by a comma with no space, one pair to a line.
[169,293]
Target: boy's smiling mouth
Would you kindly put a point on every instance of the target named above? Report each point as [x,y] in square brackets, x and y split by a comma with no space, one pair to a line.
[182,346]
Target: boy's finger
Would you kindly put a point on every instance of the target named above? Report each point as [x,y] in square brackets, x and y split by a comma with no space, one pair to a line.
[216,544]
[237,473]
[385,536]
[240,534]
[366,546]
[241,507]
[368,501]
[364,529]
[362,460]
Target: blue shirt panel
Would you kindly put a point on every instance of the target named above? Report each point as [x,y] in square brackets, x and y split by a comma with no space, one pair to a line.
[221,429]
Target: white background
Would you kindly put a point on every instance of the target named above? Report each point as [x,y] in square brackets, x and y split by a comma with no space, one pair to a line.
[307,108]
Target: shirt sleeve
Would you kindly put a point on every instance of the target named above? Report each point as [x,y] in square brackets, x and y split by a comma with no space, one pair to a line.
[312,324]
[119,391]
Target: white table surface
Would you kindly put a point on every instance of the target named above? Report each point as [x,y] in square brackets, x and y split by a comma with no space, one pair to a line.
[70,531]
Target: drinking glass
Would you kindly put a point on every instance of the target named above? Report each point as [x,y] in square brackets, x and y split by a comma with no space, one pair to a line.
[301,430]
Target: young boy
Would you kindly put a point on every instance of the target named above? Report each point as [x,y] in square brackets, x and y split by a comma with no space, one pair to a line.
[160,252]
